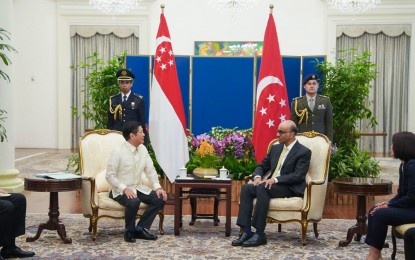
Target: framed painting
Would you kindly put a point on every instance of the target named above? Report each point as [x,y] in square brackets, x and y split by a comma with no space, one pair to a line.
[224,48]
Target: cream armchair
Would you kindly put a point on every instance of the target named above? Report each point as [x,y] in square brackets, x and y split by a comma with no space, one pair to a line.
[399,232]
[310,207]
[94,150]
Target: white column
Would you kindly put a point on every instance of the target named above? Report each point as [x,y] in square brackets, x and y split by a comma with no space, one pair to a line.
[8,174]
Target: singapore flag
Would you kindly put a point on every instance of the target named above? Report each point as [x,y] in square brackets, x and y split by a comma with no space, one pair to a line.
[167,122]
[272,105]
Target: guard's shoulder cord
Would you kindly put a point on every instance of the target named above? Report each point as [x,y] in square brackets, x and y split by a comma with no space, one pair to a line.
[114,111]
[301,113]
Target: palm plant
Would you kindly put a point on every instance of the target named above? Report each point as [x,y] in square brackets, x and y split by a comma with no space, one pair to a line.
[347,82]
[4,48]
[100,84]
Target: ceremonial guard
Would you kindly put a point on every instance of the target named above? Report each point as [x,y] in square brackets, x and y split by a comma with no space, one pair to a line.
[313,112]
[126,105]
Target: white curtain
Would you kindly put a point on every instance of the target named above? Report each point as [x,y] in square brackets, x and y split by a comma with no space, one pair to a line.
[390,48]
[107,41]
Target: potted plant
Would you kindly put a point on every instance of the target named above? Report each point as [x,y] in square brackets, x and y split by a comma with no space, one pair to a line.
[233,148]
[100,84]
[4,48]
[204,162]
[228,148]
[347,83]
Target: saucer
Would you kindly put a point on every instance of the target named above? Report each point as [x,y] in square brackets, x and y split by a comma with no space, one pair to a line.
[221,179]
[185,178]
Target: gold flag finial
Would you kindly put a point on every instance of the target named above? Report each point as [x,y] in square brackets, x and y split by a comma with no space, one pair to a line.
[271,7]
[162,8]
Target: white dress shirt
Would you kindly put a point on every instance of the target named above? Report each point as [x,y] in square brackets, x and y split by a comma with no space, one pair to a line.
[126,166]
[126,95]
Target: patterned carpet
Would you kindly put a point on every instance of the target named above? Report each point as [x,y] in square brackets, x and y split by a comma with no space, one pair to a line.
[201,241]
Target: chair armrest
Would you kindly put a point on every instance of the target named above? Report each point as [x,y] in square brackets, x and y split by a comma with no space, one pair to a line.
[315,198]
[317,182]
[89,195]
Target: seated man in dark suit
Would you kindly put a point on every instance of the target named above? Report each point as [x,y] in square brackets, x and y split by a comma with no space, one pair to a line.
[281,174]
[12,224]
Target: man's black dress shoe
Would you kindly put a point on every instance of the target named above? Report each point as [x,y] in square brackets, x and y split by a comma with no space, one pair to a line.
[255,240]
[16,252]
[144,234]
[241,239]
[129,236]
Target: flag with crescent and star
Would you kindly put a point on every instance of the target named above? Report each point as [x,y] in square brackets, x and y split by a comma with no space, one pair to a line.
[272,105]
[167,122]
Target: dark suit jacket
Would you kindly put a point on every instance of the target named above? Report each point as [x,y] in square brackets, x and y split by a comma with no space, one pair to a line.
[133,110]
[405,198]
[293,170]
[319,120]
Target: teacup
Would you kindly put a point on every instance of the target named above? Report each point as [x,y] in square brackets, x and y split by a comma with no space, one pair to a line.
[182,173]
[223,173]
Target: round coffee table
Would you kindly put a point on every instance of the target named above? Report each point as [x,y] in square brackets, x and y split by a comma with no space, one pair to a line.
[53,186]
[361,187]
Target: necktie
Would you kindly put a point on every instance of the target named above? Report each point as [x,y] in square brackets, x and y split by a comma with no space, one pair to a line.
[279,164]
[311,104]
[124,98]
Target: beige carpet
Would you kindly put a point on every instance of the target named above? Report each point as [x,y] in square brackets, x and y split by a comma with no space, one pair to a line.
[202,241]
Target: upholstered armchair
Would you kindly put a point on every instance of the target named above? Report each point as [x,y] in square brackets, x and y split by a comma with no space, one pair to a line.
[94,150]
[399,232]
[307,209]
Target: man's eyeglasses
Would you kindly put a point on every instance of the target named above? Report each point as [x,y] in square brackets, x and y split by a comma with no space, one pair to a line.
[280,132]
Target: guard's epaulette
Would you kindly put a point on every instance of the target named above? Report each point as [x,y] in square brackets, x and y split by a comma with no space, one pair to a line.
[139,96]
[297,98]
[114,95]
[324,96]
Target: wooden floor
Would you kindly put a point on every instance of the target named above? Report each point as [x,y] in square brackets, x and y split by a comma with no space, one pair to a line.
[69,202]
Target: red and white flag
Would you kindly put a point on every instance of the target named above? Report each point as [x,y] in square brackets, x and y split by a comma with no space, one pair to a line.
[167,122]
[272,105]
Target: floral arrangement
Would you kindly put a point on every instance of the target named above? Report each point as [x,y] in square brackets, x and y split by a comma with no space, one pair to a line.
[230,148]
[205,156]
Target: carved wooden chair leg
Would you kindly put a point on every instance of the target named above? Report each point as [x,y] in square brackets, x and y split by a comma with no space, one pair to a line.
[161,220]
[90,225]
[304,233]
[94,229]
[315,229]
[393,243]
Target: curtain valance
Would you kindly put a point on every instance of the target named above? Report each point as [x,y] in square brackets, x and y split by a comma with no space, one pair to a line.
[391,30]
[91,30]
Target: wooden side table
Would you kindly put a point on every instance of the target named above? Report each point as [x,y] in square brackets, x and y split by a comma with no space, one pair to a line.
[53,186]
[361,187]
[204,184]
